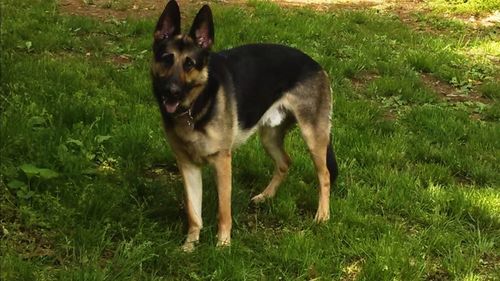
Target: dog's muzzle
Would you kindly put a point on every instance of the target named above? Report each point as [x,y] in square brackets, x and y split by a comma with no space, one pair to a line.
[171,103]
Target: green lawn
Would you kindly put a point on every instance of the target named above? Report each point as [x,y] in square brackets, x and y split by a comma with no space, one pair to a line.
[89,189]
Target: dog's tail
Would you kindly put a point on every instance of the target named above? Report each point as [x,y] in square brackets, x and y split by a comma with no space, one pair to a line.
[331,162]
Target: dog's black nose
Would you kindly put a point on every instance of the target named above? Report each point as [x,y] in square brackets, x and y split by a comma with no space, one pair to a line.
[174,89]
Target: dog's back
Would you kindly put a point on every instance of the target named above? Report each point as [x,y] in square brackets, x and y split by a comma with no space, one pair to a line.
[261,74]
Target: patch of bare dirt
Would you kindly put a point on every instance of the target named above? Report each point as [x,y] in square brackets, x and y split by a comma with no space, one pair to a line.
[325,5]
[489,263]
[363,78]
[100,8]
[486,21]
[120,9]
[163,172]
[450,93]
[455,97]
[121,59]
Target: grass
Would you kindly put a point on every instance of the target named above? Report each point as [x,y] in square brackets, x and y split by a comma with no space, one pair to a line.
[89,189]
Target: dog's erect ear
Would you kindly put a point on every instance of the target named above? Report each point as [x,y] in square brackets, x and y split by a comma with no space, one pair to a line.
[202,30]
[169,23]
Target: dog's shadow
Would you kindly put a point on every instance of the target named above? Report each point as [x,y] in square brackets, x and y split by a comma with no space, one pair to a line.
[162,194]
[162,198]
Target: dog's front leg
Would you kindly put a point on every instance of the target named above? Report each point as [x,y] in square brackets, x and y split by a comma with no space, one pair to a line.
[193,188]
[222,165]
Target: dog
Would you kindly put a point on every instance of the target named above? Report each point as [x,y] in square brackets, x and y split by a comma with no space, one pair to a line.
[211,102]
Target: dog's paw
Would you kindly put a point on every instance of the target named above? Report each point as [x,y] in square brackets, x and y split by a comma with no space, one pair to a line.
[321,216]
[224,243]
[259,199]
[189,246]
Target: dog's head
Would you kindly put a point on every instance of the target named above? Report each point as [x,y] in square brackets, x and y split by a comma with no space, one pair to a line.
[180,63]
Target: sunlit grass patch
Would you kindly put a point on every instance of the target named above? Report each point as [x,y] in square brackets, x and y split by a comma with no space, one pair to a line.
[488,48]
[460,6]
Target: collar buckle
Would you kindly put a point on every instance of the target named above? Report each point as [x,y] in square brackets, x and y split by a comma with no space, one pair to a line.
[188,114]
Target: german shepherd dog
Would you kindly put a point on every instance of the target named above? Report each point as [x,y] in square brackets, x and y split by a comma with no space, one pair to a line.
[211,102]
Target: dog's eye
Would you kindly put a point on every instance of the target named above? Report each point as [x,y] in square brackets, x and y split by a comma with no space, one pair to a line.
[188,64]
[167,59]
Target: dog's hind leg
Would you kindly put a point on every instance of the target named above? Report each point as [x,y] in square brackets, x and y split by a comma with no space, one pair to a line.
[311,105]
[272,139]
[317,141]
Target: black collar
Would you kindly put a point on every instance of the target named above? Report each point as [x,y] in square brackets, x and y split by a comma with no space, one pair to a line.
[187,115]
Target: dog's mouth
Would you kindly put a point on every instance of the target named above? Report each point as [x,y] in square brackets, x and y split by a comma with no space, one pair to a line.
[170,106]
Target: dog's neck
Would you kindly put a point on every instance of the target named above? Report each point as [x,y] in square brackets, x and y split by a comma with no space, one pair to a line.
[185,117]
[200,110]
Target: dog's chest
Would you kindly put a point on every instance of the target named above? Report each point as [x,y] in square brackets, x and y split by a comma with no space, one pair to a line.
[195,144]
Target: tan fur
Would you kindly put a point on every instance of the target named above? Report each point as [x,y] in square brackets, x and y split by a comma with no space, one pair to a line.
[222,164]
